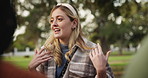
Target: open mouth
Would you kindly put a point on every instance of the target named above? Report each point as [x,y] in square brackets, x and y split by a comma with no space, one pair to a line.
[56,30]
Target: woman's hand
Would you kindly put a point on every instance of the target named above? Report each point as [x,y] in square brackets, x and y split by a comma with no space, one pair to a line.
[39,57]
[99,60]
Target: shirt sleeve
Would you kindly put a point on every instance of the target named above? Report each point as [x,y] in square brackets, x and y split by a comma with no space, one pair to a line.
[40,68]
[109,72]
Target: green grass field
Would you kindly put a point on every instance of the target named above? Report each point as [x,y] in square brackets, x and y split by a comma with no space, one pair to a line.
[19,61]
[117,63]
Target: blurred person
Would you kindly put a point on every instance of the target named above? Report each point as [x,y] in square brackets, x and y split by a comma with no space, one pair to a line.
[66,53]
[8,25]
[138,66]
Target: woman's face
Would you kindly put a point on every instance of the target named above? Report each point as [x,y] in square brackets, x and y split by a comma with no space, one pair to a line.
[61,24]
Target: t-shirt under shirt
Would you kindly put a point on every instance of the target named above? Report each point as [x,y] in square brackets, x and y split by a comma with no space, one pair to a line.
[64,49]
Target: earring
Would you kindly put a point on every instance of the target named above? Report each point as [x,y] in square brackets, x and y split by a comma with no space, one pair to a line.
[73,28]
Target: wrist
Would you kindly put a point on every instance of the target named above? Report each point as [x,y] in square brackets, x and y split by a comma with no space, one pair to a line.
[31,69]
[101,73]
[101,70]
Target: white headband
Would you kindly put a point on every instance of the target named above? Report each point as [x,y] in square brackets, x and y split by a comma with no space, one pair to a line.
[69,7]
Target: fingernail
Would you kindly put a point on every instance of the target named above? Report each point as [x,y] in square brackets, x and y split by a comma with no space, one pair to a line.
[42,47]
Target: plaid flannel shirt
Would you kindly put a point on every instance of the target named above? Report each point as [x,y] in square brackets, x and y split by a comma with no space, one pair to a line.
[80,66]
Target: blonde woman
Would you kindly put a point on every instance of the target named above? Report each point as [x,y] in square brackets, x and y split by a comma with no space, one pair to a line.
[66,54]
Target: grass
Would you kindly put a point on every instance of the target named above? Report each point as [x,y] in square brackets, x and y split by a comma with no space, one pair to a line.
[119,60]
[117,63]
[19,61]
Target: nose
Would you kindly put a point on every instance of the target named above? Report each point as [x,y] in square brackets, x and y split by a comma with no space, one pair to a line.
[54,23]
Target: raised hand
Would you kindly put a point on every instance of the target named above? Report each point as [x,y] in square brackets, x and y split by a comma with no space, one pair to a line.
[98,59]
[39,57]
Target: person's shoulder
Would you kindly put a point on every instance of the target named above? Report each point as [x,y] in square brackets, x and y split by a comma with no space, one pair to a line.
[9,70]
[89,43]
[138,65]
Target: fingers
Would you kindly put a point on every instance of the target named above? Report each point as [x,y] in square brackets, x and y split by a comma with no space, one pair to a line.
[39,52]
[99,48]
[42,49]
[107,55]
[96,51]
[44,54]
[40,57]
[36,51]
[44,58]
[35,62]
[90,54]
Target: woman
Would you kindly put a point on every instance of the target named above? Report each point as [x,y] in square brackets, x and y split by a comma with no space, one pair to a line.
[66,53]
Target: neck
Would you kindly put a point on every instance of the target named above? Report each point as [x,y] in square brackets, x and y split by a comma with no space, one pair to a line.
[64,41]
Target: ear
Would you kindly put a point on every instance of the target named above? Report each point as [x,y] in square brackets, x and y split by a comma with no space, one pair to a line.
[74,23]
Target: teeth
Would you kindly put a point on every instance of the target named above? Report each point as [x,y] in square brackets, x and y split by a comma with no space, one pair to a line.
[57,30]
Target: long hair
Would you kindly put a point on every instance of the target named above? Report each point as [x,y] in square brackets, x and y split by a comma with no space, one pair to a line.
[52,44]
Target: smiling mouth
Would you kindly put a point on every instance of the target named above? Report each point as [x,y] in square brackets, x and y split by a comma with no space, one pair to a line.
[56,30]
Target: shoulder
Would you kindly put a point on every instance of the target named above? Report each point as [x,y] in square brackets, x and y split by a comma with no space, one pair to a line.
[81,65]
[89,43]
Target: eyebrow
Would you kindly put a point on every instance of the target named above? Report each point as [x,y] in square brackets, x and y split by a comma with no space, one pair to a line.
[58,16]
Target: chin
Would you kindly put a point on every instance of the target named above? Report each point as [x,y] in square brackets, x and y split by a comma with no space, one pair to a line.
[57,37]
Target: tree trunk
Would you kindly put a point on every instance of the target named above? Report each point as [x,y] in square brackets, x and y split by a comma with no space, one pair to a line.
[120,47]
[104,44]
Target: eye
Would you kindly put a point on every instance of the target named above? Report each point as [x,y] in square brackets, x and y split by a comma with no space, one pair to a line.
[51,21]
[59,19]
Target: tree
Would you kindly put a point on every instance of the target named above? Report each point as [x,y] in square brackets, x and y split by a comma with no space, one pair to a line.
[103,26]
[36,22]
[106,13]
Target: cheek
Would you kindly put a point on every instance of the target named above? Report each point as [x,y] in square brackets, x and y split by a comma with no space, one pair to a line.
[66,27]
[66,30]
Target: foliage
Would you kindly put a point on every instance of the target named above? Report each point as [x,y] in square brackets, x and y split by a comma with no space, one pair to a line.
[133,26]
[114,21]
[36,22]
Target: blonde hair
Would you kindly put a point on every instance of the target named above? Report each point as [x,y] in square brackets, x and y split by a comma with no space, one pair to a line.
[52,44]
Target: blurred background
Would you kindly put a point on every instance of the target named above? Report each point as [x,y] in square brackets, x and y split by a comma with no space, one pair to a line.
[118,25]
